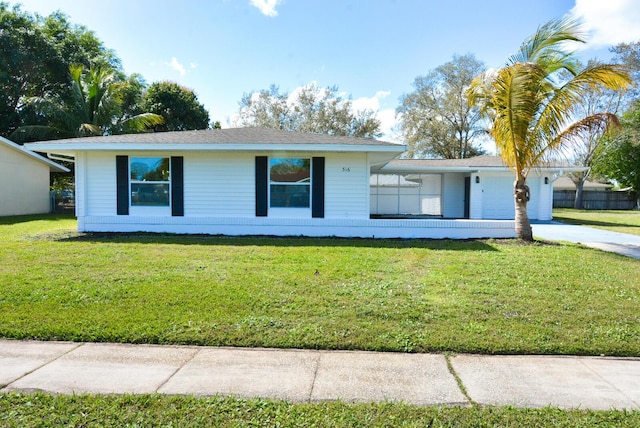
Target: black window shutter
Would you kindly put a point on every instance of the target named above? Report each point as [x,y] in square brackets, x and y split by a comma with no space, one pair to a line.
[122,185]
[177,186]
[317,187]
[262,183]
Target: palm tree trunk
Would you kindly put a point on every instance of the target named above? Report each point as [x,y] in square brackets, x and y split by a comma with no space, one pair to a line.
[522,224]
[577,204]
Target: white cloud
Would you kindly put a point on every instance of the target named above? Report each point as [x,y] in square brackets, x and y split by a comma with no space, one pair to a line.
[370,103]
[389,124]
[177,66]
[267,7]
[609,22]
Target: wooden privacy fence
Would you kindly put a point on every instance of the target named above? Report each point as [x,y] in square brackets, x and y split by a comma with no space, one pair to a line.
[595,199]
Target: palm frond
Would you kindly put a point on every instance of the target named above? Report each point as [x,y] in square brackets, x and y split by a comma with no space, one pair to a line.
[38,133]
[549,44]
[139,123]
[89,130]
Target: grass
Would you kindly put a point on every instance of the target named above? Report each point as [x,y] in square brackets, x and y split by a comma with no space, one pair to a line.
[465,296]
[27,410]
[616,221]
[479,296]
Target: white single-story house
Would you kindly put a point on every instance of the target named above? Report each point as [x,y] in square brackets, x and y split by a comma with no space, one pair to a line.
[252,181]
[25,178]
[565,183]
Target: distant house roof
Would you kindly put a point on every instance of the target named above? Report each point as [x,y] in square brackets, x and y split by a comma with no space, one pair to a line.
[565,183]
[53,167]
[474,163]
[218,139]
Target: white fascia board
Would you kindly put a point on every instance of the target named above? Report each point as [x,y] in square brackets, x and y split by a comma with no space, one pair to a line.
[27,152]
[66,148]
[472,169]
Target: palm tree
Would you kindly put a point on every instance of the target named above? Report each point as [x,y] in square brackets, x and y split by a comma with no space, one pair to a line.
[93,108]
[532,109]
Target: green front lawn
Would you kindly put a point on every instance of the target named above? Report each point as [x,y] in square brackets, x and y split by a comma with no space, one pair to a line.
[480,296]
[627,221]
[33,410]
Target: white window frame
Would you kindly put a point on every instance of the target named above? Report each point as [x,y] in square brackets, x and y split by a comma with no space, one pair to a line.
[142,210]
[290,212]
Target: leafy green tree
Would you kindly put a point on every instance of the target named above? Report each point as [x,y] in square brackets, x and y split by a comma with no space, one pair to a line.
[310,109]
[436,119]
[95,109]
[35,55]
[178,106]
[618,158]
[531,107]
[76,44]
[614,101]
[29,65]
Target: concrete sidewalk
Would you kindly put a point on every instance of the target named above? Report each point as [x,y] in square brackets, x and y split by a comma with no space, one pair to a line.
[621,243]
[310,376]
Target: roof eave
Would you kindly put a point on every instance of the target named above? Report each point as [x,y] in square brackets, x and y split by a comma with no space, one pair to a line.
[53,167]
[66,148]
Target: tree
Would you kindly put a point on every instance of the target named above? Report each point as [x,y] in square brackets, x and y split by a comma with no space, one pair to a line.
[436,119]
[584,152]
[629,55]
[76,44]
[178,106]
[612,101]
[95,109]
[29,65]
[619,155]
[309,109]
[35,54]
[531,108]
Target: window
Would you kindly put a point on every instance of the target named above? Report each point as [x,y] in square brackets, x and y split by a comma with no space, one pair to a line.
[150,182]
[290,182]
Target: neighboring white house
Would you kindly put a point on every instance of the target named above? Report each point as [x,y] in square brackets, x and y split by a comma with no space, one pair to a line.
[249,181]
[25,180]
[565,183]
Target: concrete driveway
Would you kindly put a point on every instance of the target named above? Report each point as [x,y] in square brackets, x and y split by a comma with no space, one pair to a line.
[621,243]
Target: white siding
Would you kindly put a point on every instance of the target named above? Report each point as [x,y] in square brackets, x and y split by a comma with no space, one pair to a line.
[81,187]
[25,184]
[346,185]
[453,195]
[100,183]
[219,185]
[223,184]
[533,206]
[546,200]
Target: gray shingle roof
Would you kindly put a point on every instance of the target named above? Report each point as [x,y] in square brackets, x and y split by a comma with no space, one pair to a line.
[478,161]
[225,136]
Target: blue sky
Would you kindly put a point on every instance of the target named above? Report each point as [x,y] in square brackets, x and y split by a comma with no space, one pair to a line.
[371,49]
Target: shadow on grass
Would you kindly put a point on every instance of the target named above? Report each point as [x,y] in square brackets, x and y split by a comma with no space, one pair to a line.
[278,241]
[34,217]
[594,223]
